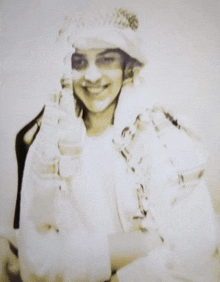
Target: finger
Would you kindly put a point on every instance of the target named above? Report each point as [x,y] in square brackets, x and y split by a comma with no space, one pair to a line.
[66,82]
[47,139]
[67,101]
[52,112]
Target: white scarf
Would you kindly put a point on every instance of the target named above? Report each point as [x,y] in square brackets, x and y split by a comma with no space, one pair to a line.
[149,152]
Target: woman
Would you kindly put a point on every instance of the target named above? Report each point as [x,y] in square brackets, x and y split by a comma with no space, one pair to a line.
[112,186]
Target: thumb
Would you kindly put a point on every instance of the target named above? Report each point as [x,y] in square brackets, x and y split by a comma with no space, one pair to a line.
[67,101]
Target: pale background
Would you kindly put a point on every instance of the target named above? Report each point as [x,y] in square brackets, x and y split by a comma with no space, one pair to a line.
[182,43]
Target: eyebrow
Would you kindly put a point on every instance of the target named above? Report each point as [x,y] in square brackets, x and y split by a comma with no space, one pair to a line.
[108,51]
[78,55]
[99,54]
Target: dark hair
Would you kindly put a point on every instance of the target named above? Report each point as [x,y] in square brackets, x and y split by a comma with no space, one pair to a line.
[128,60]
[130,65]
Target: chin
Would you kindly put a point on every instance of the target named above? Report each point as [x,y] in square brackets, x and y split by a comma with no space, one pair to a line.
[99,107]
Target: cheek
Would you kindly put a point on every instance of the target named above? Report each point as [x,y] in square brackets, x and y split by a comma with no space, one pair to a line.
[76,76]
[116,77]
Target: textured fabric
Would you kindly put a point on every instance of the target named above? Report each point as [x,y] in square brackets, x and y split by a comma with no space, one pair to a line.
[168,164]
[189,241]
[150,194]
[49,213]
[104,29]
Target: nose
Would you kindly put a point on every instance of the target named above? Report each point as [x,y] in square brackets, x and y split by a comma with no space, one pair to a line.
[92,73]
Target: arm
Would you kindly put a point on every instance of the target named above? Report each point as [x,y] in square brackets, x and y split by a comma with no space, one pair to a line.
[180,204]
[24,139]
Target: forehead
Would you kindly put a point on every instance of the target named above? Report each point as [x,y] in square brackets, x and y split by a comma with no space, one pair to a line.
[94,52]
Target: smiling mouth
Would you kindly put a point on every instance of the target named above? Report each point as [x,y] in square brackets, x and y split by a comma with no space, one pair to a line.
[95,89]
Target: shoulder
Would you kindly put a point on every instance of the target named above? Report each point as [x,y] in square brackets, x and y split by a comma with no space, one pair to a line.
[167,142]
[27,134]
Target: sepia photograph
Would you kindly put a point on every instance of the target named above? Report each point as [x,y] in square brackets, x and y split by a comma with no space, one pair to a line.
[110,141]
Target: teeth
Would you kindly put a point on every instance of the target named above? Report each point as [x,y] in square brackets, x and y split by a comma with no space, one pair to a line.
[96,90]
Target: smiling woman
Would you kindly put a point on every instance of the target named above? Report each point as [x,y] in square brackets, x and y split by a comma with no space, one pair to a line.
[97,79]
[110,185]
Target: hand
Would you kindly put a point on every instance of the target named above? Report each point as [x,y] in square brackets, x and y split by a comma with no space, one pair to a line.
[126,247]
[9,264]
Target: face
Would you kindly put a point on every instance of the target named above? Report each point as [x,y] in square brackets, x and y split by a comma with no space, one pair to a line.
[97,76]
